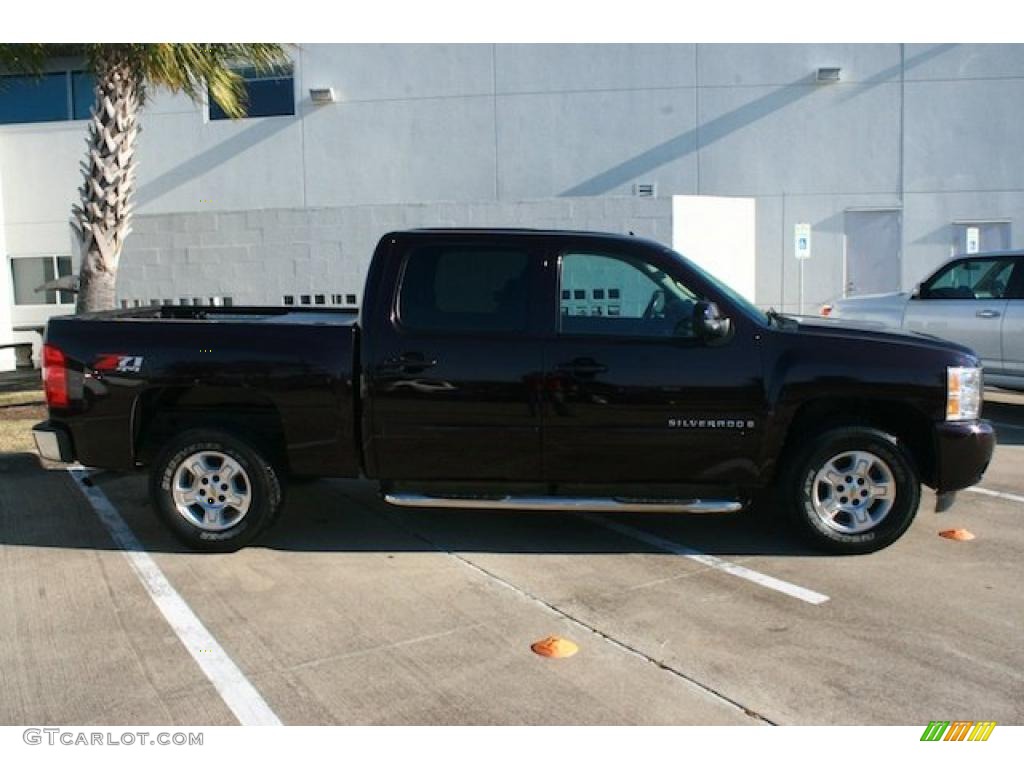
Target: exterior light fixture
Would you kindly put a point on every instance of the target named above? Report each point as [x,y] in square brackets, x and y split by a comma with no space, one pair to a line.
[321,95]
[828,74]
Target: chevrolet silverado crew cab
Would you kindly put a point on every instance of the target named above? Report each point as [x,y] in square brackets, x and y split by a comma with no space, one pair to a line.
[519,369]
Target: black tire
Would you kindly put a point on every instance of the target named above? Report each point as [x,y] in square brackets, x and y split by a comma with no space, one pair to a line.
[260,481]
[799,490]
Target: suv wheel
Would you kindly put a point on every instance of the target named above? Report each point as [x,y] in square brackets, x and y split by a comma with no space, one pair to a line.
[214,491]
[853,490]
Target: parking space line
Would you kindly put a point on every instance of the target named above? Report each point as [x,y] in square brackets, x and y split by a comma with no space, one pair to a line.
[240,696]
[742,572]
[996,494]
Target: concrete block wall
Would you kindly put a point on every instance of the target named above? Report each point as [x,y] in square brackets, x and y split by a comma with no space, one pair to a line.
[260,256]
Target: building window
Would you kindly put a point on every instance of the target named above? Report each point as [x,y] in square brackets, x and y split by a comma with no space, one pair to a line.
[289,301]
[30,272]
[350,298]
[319,299]
[266,93]
[54,96]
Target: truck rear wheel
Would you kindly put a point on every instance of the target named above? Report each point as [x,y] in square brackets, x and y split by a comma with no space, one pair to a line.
[852,490]
[216,492]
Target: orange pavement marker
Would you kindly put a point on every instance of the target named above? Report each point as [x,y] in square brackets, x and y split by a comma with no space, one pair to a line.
[957,534]
[555,647]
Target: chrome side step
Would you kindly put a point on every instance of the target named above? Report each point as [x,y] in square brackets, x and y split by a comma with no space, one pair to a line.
[564,503]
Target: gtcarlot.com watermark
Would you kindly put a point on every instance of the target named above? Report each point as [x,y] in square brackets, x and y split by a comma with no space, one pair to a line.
[70,737]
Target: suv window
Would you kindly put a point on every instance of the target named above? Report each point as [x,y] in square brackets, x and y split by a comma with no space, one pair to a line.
[971,279]
[465,288]
[620,296]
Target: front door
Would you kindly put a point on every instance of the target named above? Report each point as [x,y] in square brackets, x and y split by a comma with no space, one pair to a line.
[633,395]
[454,371]
[1013,327]
[966,302]
[872,252]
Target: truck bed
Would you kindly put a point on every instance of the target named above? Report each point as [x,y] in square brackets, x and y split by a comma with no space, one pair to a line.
[305,315]
[292,370]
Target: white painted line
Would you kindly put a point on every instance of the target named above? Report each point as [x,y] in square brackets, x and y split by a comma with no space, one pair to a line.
[233,686]
[996,494]
[764,580]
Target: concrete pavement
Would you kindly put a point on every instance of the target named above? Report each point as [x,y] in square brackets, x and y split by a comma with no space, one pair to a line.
[351,611]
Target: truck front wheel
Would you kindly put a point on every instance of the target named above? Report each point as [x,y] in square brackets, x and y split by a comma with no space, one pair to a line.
[215,491]
[852,490]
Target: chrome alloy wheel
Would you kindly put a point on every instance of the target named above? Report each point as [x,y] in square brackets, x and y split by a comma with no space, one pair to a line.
[853,492]
[211,490]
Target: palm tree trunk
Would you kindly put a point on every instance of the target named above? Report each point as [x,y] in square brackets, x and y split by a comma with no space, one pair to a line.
[102,220]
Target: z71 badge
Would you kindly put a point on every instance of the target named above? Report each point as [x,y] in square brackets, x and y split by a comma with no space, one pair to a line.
[118,364]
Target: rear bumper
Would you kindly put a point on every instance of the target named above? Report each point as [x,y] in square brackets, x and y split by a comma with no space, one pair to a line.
[53,442]
[963,450]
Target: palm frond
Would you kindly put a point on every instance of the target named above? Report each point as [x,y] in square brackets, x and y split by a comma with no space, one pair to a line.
[194,67]
[190,68]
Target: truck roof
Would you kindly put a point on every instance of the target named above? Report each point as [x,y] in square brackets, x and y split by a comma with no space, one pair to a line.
[520,231]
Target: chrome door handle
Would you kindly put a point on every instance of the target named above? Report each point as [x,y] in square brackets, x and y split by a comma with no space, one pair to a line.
[987,313]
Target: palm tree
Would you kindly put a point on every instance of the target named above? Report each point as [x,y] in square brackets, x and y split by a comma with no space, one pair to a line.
[124,73]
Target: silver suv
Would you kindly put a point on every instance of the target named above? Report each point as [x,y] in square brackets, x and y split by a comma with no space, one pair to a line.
[975,300]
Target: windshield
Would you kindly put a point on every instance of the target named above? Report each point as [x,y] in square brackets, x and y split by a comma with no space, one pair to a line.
[744,304]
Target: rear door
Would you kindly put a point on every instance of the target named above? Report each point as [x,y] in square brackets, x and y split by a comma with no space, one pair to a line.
[635,396]
[965,301]
[453,362]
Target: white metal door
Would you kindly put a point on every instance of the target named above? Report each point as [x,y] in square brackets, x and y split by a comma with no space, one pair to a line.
[873,241]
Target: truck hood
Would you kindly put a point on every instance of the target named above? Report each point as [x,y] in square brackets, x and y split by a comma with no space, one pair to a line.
[872,332]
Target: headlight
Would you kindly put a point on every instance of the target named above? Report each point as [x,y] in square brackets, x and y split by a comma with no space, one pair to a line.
[963,393]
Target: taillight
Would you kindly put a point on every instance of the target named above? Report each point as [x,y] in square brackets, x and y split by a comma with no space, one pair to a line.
[55,377]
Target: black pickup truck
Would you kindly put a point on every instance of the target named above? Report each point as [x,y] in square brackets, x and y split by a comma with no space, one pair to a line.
[520,369]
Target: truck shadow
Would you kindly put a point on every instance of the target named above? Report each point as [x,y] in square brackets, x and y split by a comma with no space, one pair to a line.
[1008,418]
[43,508]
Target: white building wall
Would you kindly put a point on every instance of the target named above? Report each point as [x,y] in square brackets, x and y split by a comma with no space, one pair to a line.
[311,251]
[720,235]
[477,124]
[7,356]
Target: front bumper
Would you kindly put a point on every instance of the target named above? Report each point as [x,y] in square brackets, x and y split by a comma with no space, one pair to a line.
[53,442]
[963,450]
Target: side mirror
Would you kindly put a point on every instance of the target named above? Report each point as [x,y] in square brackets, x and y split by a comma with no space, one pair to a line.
[708,323]
[916,293]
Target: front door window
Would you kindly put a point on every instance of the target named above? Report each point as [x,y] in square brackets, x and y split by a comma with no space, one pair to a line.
[620,296]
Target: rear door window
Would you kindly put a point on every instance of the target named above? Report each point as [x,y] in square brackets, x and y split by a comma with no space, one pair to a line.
[464,288]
